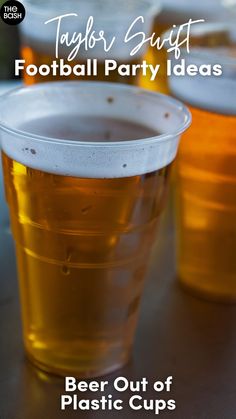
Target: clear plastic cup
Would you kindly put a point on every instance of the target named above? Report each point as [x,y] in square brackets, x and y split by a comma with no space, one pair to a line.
[205,168]
[38,41]
[86,170]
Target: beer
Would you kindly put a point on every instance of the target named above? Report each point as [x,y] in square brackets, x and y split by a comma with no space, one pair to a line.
[81,270]
[154,57]
[85,190]
[178,13]
[206,179]
[38,40]
[206,172]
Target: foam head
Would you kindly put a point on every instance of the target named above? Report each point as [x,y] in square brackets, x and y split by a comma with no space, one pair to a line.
[210,45]
[163,115]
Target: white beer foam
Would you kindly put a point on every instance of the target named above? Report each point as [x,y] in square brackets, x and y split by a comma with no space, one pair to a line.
[113,17]
[92,159]
[212,93]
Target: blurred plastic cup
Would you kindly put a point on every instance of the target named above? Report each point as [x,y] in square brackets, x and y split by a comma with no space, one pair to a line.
[206,165]
[38,40]
[177,12]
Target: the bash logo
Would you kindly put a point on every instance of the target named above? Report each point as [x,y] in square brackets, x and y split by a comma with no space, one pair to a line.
[12,12]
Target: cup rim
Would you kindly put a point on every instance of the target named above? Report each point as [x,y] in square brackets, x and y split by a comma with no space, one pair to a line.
[203,29]
[154,8]
[136,91]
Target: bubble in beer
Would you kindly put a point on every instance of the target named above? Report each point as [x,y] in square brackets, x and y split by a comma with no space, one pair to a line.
[65,270]
[86,209]
[133,307]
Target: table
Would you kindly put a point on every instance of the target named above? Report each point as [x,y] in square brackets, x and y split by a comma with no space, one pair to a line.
[178,335]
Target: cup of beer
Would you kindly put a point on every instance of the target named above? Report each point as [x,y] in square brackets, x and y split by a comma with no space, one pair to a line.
[177,13]
[86,169]
[206,165]
[64,31]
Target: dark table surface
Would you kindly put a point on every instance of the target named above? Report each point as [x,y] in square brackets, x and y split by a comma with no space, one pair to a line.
[178,335]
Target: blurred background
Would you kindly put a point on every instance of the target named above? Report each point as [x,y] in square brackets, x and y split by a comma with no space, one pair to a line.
[172,11]
[9,49]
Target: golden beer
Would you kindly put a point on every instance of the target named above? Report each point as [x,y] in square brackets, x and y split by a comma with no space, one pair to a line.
[206,179]
[82,250]
[154,57]
[85,190]
[206,172]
